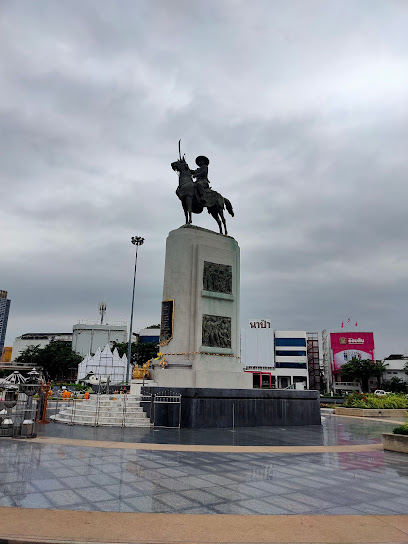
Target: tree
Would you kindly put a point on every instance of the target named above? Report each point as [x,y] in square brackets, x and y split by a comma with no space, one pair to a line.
[57,359]
[378,370]
[359,369]
[141,352]
[405,368]
[396,385]
[153,326]
[29,356]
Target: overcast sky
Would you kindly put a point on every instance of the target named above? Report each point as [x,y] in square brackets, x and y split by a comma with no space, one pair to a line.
[302,108]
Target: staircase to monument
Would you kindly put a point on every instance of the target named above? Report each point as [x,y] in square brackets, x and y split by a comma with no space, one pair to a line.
[105,410]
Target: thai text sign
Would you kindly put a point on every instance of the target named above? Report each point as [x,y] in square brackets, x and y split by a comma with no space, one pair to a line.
[346,345]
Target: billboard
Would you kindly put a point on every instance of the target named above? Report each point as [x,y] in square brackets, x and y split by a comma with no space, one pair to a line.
[346,345]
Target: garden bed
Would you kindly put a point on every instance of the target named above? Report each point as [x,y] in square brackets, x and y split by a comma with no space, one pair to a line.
[371,412]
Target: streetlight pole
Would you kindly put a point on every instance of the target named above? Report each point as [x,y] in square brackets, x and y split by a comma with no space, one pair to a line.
[137,241]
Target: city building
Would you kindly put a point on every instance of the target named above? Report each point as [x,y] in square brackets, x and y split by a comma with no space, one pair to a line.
[149,335]
[5,356]
[395,367]
[341,347]
[88,336]
[37,339]
[4,313]
[275,358]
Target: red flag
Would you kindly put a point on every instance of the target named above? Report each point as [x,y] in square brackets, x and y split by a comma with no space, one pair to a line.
[342,324]
[356,324]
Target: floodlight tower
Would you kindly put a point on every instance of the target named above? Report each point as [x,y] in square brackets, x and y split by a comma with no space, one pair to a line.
[102,311]
[136,241]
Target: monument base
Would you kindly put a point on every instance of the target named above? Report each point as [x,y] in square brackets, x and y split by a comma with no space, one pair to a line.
[136,386]
[229,408]
[200,333]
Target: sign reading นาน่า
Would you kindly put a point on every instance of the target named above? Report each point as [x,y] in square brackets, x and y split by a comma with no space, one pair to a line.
[167,322]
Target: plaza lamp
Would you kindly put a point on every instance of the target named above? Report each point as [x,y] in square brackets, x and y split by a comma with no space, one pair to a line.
[136,241]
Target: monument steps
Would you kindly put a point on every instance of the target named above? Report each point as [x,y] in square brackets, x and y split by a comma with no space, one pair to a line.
[114,412]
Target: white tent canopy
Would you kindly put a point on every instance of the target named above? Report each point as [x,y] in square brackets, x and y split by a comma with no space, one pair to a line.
[103,364]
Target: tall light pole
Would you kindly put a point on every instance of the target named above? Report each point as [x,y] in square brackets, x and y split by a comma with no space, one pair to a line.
[137,241]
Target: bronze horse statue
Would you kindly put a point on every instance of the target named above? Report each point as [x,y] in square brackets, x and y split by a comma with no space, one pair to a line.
[191,201]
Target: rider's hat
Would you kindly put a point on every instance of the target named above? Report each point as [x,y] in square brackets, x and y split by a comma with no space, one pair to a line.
[201,159]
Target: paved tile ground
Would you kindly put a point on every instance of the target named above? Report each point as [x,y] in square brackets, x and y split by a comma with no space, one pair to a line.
[335,430]
[53,476]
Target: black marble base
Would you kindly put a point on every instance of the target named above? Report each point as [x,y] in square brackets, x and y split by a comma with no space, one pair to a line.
[228,408]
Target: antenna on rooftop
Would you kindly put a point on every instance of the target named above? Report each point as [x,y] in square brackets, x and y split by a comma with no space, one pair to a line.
[102,311]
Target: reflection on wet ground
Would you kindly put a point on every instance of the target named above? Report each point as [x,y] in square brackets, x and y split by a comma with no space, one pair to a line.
[333,431]
[34,475]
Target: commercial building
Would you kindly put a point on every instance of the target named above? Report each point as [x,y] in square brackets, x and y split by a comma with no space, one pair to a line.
[37,339]
[395,367]
[5,356]
[275,358]
[341,347]
[88,336]
[4,313]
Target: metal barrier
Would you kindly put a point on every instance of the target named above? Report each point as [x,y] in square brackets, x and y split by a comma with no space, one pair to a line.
[166,397]
[18,417]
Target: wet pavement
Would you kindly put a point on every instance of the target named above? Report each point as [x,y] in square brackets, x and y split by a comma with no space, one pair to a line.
[35,475]
[333,431]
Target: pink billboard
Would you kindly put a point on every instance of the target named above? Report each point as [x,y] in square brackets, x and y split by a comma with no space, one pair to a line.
[346,345]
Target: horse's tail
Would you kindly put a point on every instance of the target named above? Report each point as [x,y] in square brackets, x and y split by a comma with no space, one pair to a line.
[228,205]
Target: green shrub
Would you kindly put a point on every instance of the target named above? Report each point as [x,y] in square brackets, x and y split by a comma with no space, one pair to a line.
[401,429]
[369,400]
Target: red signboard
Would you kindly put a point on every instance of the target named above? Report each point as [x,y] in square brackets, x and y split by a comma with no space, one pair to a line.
[346,345]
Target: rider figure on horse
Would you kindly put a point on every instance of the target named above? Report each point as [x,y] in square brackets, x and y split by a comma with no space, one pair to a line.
[203,190]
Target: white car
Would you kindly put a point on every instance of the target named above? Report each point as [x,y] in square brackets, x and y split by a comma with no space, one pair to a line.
[380,392]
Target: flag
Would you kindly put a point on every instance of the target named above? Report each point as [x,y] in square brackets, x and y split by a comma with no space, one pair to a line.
[342,324]
[356,324]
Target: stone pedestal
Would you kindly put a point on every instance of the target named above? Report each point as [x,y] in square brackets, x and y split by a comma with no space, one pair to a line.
[200,333]
[136,386]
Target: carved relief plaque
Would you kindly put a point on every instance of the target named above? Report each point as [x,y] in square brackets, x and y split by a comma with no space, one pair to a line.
[217,277]
[216,331]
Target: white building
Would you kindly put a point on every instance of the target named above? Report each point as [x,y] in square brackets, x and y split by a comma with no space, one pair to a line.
[395,367]
[88,336]
[37,339]
[291,358]
[275,358]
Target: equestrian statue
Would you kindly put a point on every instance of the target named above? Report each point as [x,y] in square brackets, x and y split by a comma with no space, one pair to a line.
[196,194]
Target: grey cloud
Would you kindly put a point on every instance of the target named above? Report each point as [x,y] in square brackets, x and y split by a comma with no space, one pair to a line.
[308,149]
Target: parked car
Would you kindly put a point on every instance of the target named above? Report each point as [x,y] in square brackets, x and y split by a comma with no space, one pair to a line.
[380,392]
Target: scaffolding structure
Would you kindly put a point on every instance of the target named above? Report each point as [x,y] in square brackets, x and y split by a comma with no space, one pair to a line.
[313,360]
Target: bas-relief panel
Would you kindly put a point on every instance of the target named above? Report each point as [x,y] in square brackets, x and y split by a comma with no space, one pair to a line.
[217,277]
[216,331]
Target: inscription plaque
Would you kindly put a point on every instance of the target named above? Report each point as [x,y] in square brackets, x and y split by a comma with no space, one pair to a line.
[217,277]
[167,321]
[216,331]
